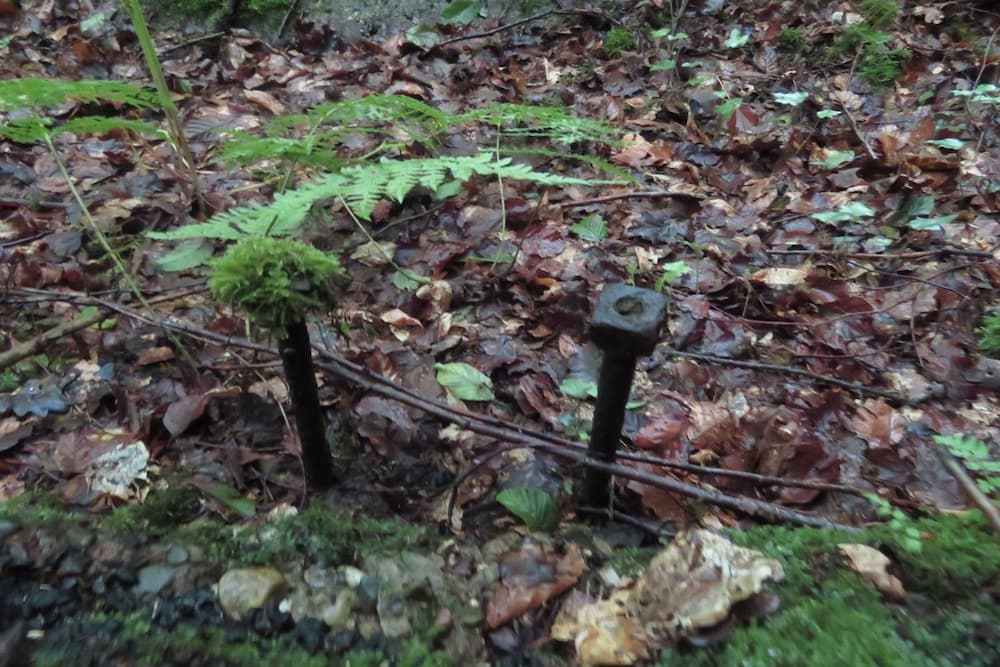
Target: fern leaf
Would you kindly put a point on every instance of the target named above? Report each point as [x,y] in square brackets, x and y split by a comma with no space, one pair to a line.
[361,188]
[33,92]
[31,130]
[27,130]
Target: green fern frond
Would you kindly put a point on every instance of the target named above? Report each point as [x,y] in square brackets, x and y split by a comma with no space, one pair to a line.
[597,162]
[313,151]
[381,114]
[31,130]
[361,188]
[322,130]
[27,130]
[556,123]
[32,92]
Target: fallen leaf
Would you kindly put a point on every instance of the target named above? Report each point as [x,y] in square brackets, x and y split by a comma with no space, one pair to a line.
[873,565]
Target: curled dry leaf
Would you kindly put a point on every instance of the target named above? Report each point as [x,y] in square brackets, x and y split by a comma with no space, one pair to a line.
[690,585]
[529,578]
[873,565]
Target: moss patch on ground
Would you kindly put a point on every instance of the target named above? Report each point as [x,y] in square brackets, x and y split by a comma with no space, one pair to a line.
[831,617]
[149,645]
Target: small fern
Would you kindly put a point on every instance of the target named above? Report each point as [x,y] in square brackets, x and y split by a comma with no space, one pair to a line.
[32,130]
[553,123]
[361,187]
[30,93]
[320,132]
[315,139]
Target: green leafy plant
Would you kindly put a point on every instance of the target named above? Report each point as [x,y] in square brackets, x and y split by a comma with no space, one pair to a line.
[313,139]
[592,228]
[577,387]
[793,99]
[535,507]
[671,272]
[989,335]
[277,282]
[975,456]
[851,212]
[984,93]
[903,528]
[736,39]
[726,109]
[670,42]
[461,12]
[617,41]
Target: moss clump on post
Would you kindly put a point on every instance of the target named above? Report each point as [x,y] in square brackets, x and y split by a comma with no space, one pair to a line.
[277,282]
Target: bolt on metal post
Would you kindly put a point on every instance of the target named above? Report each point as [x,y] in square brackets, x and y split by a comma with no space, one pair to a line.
[625,326]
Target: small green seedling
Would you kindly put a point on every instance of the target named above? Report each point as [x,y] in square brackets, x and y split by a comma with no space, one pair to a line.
[975,456]
[852,212]
[535,507]
[989,335]
[592,228]
[277,282]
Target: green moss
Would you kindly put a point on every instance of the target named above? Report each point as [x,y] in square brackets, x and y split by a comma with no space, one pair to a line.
[617,41]
[149,645]
[160,513]
[831,617]
[877,63]
[37,509]
[794,40]
[630,561]
[276,281]
[880,66]
[879,14]
[989,335]
[321,532]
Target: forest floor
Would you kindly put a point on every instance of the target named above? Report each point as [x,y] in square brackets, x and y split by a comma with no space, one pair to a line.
[808,455]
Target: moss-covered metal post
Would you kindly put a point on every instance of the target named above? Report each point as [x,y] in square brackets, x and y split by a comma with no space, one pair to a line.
[276,282]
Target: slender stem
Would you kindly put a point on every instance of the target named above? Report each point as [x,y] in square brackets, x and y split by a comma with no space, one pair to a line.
[169,108]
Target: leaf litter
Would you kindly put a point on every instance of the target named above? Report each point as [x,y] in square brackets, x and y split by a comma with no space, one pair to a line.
[805,219]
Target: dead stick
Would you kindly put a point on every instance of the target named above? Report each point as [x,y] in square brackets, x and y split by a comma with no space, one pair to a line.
[978,498]
[39,342]
[371,381]
[651,194]
[515,24]
[791,370]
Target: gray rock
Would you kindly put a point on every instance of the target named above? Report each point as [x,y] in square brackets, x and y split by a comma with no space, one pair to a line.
[244,589]
[177,555]
[153,579]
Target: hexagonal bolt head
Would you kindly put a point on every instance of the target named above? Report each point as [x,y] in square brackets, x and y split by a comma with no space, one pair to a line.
[628,319]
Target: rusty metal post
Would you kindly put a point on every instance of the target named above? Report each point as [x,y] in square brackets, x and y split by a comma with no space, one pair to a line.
[625,326]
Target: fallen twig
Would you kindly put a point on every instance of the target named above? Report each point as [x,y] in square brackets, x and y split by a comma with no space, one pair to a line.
[646,194]
[39,342]
[791,370]
[917,254]
[977,497]
[515,24]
